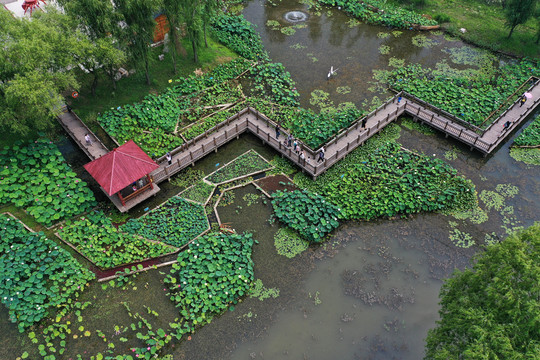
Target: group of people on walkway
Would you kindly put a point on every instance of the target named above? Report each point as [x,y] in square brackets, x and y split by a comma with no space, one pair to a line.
[295,144]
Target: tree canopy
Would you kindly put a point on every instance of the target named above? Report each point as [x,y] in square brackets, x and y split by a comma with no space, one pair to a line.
[518,12]
[33,61]
[492,311]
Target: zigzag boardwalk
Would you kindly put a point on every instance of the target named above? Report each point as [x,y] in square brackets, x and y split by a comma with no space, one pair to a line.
[485,141]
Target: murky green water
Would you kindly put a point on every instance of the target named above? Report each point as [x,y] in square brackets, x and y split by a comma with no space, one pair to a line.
[371,291]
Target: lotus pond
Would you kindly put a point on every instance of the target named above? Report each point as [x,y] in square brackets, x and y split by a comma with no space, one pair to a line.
[369,291]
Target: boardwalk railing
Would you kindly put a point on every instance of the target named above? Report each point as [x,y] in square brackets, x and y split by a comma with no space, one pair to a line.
[511,101]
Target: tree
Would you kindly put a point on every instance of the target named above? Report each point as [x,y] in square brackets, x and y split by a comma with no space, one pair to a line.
[138,15]
[518,12]
[192,17]
[33,74]
[209,11]
[537,17]
[99,20]
[492,311]
[172,12]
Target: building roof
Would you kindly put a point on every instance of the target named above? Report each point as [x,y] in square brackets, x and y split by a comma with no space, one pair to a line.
[121,167]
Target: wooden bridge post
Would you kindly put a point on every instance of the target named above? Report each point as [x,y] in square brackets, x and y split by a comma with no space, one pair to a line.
[215,150]
[226,134]
[191,158]
[167,173]
[202,148]
[257,128]
[418,112]
[348,143]
[236,129]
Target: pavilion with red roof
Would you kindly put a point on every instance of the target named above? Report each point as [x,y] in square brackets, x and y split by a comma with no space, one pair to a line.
[123,175]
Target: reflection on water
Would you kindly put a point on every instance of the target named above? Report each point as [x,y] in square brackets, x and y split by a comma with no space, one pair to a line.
[332,39]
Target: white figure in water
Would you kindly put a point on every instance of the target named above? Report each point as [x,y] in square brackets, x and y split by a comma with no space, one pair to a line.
[332,72]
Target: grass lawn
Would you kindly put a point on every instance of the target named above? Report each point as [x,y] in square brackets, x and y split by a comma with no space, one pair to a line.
[485,26]
[133,88]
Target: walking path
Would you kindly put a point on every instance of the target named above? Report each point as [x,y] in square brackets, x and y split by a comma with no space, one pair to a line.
[249,119]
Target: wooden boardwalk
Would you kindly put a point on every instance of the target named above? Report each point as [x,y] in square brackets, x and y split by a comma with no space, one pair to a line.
[249,119]
[77,129]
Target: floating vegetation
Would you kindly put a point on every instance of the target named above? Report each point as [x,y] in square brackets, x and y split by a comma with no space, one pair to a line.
[383,35]
[423,41]
[510,222]
[528,156]
[260,292]
[507,190]
[289,30]
[316,299]
[187,177]
[476,215]
[250,198]
[343,90]
[288,243]
[397,33]
[353,22]
[384,49]
[461,239]
[227,199]
[298,46]
[313,58]
[200,192]
[483,178]
[467,55]
[437,33]
[492,199]
[451,154]
[418,126]
[491,239]
[320,98]
[395,62]
[273,24]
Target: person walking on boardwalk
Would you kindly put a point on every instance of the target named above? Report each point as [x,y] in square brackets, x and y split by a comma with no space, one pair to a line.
[289,140]
[522,100]
[88,139]
[295,144]
[277,131]
[364,120]
[506,125]
[321,155]
[302,157]
[169,158]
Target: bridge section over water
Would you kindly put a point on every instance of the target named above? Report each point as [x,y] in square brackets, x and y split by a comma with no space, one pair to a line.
[249,119]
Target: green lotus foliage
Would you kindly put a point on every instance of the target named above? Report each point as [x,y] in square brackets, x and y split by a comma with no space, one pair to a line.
[200,192]
[391,15]
[36,276]
[152,122]
[95,237]
[176,222]
[36,178]
[247,163]
[309,214]
[531,135]
[239,35]
[470,94]
[213,273]
[392,181]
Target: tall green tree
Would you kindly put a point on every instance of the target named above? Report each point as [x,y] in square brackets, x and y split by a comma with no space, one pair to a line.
[210,9]
[518,12]
[191,11]
[33,74]
[139,18]
[100,21]
[172,12]
[492,311]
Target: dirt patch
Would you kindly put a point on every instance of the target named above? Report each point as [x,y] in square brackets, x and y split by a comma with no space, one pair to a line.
[274,183]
